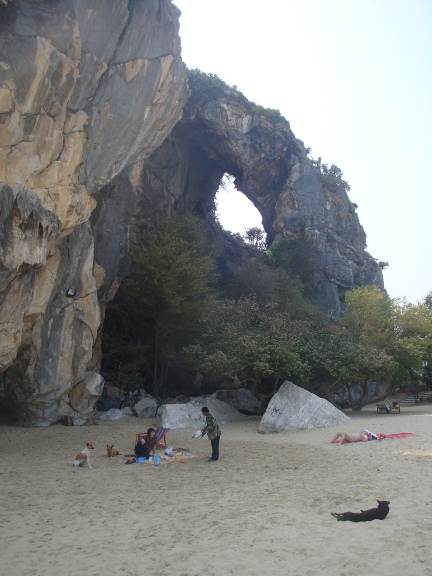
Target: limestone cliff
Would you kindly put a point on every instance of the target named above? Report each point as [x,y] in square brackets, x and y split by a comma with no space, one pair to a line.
[86,90]
[221,131]
[92,141]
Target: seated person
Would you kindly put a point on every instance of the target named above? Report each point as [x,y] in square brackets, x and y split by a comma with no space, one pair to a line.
[146,446]
[362,436]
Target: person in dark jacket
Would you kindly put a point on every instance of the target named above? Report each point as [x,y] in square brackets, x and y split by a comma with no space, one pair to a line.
[146,446]
[213,432]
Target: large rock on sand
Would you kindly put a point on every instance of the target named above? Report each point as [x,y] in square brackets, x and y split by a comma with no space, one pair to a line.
[189,415]
[146,407]
[242,399]
[293,408]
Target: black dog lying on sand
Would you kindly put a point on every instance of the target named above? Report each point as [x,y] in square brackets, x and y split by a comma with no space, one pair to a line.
[365,515]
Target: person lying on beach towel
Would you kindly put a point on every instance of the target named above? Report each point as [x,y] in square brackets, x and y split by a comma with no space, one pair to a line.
[346,438]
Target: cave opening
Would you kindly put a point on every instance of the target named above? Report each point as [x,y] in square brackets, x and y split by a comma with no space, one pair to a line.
[234,211]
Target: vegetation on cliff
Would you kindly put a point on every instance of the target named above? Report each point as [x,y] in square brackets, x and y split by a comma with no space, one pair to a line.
[331,176]
[175,317]
[209,87]
[159,305]
[202,301]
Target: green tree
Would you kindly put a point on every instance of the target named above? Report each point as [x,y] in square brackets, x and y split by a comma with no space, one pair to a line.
[394,335]
[268,283]
[255,237]
[297,256]
[368,315]
[364,342]
[170,282]
[354,364]
[427,366]
[251,341]
[337,361]
[331,177]
[412,342]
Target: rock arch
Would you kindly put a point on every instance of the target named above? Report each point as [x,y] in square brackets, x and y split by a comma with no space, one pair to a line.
[221,131]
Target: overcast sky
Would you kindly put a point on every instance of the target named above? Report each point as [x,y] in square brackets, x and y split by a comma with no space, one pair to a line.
[354,79]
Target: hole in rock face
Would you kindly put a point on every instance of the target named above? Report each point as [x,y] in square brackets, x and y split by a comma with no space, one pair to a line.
[234,211]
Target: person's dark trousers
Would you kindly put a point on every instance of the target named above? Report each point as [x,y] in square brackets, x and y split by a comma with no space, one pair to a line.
[140,451]
[215,448]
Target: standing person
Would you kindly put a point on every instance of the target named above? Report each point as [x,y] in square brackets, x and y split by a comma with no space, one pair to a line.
[147,445]
[213,432]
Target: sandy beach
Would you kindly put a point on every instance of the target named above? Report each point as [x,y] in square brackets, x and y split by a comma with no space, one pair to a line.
[263,508]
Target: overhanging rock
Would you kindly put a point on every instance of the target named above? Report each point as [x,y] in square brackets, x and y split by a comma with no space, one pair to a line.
[294,408]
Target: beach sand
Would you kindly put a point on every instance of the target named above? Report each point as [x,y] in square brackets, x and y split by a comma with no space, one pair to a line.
[263,508]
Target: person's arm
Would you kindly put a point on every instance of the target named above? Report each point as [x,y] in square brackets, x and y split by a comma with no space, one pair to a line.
[206,427]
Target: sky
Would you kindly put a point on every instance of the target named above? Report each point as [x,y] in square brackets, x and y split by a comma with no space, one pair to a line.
[354,79]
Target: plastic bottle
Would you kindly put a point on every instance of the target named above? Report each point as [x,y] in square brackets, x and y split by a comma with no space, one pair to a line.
[157,460]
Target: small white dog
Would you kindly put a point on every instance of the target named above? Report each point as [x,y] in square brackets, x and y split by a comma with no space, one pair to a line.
[82,457]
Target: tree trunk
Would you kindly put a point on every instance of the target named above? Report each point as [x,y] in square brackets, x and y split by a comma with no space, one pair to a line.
[363,400]
[156,359]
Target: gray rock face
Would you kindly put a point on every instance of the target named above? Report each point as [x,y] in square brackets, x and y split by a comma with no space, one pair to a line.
[294,408]
[113,414]
[91,94]
[221,131]
[189,415]
[242,399]
[146,407]
[86,90]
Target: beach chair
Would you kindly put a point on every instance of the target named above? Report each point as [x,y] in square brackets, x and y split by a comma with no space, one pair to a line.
[394,407]
[383,408]
[160,437]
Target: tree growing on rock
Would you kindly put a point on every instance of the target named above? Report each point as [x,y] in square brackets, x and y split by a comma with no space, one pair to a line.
[297,256]
[255,237]
[165,294]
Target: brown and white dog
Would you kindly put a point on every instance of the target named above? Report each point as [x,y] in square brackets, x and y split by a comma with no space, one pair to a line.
[111,451]
[82,457]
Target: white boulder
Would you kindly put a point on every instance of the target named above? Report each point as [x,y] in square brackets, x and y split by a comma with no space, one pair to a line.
[189,415]
[112,414]
[293,408]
